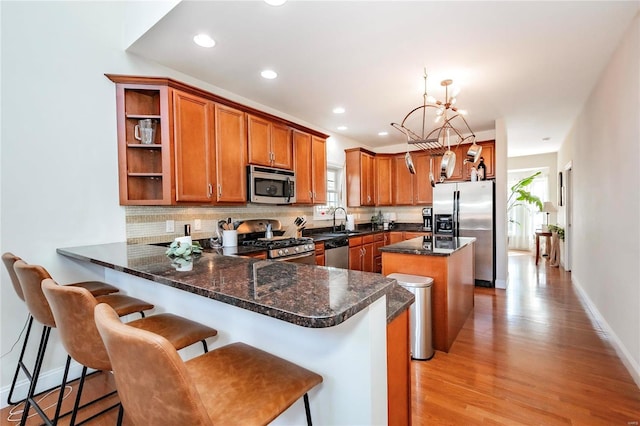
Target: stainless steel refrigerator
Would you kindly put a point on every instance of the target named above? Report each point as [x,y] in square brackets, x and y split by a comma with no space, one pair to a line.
[467,209]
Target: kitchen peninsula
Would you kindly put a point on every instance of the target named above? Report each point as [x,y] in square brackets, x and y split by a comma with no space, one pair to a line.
[450,262]
[332,321]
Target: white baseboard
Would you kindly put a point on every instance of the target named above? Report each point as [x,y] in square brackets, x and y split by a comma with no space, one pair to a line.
[501,284]
[47,380]
[624,355]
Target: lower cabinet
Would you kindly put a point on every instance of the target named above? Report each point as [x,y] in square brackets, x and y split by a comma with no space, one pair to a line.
[395,237]
[379,240]
[320,254]
[409,235]
[361,253]
[262,255]
[399,371]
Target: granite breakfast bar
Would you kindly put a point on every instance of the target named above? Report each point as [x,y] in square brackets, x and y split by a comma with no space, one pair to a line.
[329,320]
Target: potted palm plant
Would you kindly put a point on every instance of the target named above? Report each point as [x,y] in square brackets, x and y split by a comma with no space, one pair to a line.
[520,195]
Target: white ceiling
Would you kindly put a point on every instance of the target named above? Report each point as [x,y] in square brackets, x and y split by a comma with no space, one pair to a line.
[532,64]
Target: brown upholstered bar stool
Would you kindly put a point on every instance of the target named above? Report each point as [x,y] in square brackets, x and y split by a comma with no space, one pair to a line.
[72,310]
[96,288]
[30,278]
[234,384]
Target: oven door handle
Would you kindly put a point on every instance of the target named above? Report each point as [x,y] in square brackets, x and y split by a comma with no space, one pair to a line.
[297,256]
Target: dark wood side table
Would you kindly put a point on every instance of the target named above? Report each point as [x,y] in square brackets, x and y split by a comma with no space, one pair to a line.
[538,235]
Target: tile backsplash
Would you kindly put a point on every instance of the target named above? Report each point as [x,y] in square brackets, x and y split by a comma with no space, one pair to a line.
[147,224]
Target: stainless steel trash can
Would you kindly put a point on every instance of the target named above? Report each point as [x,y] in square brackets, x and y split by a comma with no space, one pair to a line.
[421,331]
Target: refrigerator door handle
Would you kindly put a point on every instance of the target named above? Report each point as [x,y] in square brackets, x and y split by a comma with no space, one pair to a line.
[456,213]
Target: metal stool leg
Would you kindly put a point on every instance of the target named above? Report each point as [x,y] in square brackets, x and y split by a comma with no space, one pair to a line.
[56,416]
[120,415]
[20,365]
[34,380]
[307,410]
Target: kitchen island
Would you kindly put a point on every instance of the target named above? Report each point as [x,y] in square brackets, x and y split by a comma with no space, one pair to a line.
[329,320]
[450,262]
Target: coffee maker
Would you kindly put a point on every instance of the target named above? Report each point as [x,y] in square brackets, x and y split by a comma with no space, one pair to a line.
[427,219]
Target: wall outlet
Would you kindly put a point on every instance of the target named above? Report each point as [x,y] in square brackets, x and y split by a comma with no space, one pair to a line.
[197,225]
[170,226]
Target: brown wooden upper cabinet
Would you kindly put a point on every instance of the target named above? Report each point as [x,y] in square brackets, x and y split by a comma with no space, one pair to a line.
[412,189]
[231,155]
[463,170]
[383,172]
[198,153]
[269,143]
[402,182]
[210,151]
[422,189]
[310,165]
[488,154]
[360,178]
[193,144]
[392,182]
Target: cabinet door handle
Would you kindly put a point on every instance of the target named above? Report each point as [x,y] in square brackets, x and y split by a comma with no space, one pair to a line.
[219,190]
[210,191]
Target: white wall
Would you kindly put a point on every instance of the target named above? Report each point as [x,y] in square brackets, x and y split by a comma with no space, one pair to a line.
[502,263]
[605,151]
[59,152]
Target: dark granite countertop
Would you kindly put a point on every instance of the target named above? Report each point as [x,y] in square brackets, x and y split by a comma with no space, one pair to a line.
[325,234]
[309,296]
[429,246]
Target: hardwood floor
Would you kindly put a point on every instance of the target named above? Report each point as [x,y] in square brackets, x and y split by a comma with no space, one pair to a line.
[529,355]
[95,386]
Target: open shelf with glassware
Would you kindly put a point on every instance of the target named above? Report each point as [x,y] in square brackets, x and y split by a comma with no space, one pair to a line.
[143,144]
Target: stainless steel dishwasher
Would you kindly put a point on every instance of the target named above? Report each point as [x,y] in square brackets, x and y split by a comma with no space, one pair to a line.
[336,252]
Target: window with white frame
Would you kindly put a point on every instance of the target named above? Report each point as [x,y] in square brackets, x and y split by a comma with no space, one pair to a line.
[334,195]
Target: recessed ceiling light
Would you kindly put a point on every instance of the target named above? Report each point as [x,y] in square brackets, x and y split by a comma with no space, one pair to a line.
[275,2]
[204,40]
[546,139]
[269,74]
[383,133]
[339,110]
[342,127]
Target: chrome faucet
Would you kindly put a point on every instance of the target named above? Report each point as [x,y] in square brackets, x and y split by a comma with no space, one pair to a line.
[334,217]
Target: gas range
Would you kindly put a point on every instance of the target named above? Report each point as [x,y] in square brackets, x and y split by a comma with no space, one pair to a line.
[282,247]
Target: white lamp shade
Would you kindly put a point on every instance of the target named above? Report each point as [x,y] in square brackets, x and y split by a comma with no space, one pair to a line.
[548,207]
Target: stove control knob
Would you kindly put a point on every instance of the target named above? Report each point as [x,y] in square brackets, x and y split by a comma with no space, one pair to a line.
[286,251]
[280,252]
[297,249]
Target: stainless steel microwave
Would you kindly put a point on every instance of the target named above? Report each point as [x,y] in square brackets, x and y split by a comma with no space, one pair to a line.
[268,185]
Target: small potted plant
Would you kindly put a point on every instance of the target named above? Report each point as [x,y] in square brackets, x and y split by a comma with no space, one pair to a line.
[182,254]
[557,235]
